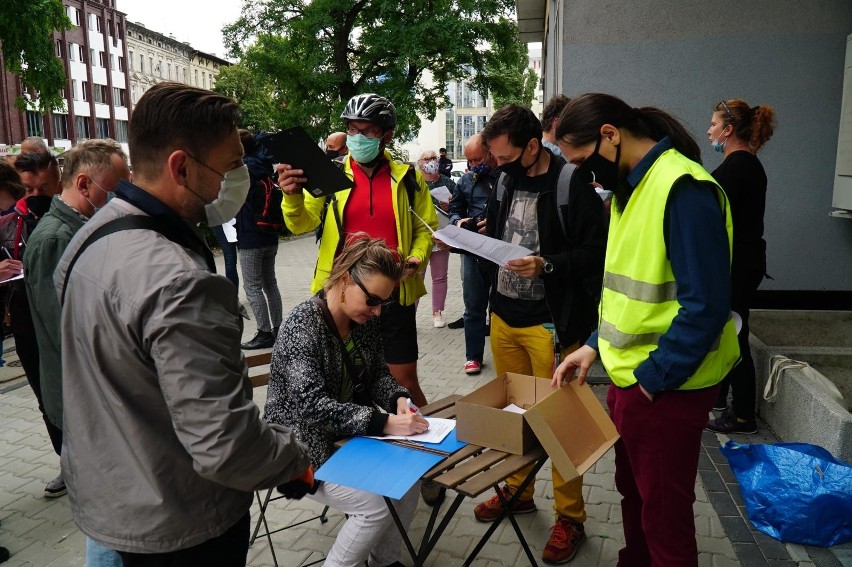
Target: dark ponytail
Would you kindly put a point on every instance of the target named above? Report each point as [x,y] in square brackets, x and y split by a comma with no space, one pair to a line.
[581,121]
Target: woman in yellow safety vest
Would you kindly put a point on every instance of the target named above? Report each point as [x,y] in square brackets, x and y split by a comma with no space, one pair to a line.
[665,335]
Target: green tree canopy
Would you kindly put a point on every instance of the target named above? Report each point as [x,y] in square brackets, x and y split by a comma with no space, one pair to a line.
[314,55]
[26,38]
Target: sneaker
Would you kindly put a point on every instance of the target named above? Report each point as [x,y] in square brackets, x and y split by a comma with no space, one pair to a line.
[438,320]
[263,339]
[728,423]
[432,492]
[457,324]
[566,536]
[489,510]
[472,367]
[55,488]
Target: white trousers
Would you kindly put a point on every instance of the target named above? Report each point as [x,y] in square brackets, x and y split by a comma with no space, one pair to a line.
[369,534]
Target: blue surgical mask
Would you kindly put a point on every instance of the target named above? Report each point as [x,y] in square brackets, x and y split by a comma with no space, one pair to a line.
[718,146]
[480,169]
[363,149]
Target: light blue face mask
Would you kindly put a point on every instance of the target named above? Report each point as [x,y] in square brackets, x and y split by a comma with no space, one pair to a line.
[361,148]
[717,145]
[109,195]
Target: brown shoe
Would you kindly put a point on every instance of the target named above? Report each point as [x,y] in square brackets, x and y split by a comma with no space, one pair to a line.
[566,535]
[432,492]
[491,509]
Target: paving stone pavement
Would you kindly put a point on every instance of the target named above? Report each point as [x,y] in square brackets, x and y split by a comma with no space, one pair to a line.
[41,532]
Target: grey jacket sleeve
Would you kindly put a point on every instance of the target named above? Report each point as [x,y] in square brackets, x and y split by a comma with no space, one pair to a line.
[194,337]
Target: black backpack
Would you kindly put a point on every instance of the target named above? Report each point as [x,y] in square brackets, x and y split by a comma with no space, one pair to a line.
[269,219]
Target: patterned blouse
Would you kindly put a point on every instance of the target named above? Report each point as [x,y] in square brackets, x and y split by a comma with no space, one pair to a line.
[309,390]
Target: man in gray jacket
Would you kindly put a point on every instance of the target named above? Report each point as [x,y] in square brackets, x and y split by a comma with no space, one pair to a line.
[162,442]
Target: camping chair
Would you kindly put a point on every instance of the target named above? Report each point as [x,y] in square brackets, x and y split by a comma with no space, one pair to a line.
[258,365]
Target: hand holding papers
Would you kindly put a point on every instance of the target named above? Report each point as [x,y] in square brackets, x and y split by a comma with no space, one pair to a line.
[483,246]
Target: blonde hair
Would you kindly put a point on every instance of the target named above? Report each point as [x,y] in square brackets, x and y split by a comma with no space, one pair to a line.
[91,157]
[364,257]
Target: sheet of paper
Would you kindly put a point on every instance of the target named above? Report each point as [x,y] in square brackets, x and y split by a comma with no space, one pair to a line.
[483,246]
[441,193]
[377,467]
[12,279]
[438,429]
[514,409]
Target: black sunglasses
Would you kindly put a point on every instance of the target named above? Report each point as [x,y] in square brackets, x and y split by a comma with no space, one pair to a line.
[372,300]
[728,110]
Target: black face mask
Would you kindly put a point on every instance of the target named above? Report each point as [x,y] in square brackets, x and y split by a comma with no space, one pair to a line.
[515,169]
[332,153]
[38,204]
[605,171]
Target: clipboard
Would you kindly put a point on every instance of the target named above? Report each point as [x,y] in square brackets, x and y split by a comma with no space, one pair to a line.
[295,147]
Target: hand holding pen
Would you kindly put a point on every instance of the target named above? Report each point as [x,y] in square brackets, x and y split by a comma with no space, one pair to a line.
[406,421]
[9,268]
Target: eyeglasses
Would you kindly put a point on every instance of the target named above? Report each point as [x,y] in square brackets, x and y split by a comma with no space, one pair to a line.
[368,132]
[728,110]
[372,300]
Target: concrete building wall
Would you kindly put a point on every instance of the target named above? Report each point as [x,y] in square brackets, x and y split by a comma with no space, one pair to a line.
[686,55]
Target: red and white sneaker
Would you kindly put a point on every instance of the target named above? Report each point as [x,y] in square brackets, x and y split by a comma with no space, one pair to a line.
[472,367]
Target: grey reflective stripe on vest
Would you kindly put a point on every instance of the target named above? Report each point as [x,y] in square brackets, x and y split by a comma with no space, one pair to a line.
[618,339]
[640,291]
[563,187]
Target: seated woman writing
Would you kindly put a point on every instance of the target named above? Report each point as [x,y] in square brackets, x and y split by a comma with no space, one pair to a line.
[328,379]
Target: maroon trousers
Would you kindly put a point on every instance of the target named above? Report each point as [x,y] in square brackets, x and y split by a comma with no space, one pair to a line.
[656,462]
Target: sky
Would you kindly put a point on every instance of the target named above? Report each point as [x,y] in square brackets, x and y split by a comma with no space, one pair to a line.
[198,22]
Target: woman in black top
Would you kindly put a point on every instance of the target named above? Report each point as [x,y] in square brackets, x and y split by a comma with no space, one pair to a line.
[740,131]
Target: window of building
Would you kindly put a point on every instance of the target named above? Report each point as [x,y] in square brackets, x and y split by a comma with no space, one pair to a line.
[100,93]
[133,93]
[204,79]
[121,63]
[120,31]
[160,67]
[170,71]
[81,124]
[102,126]
[60,126]
[112,62]
[74,89]
[58,49]
[141,63]
[72,52]
[35,123]
[82,53]
[130,60]
[102,59]
[77,17]
[99,24]
[92,57]
[121,130]
[196,78]
[86,90]
[118,96]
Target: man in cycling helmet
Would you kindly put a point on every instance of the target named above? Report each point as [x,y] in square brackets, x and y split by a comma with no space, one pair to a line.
[377,204]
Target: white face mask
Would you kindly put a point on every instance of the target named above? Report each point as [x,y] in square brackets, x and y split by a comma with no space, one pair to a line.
[232,194]
[430,167]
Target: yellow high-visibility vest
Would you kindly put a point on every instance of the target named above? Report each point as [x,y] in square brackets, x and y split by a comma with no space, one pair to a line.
[639,299]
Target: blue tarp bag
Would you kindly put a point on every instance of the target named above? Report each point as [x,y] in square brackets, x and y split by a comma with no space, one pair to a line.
[794,492]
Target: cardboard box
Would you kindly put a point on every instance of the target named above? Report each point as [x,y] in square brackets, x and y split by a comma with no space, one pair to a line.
[568,422]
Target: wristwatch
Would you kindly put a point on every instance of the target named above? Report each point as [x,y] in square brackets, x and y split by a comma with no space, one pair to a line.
[546,266]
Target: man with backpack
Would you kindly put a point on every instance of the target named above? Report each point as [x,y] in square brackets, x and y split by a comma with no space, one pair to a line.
[379,203]
[543,305]
[258,226]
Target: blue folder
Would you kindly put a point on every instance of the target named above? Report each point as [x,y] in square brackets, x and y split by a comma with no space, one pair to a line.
[378,467]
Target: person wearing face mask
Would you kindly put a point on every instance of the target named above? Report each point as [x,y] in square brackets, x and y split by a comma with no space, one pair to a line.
[549,118]
[380,202]
[440,258]
[258,249]
[91,171]
[666,337]
[335,145]
[162,444]
[740,131]
[39,173]
[445,164]
[467,209]
[542,305]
